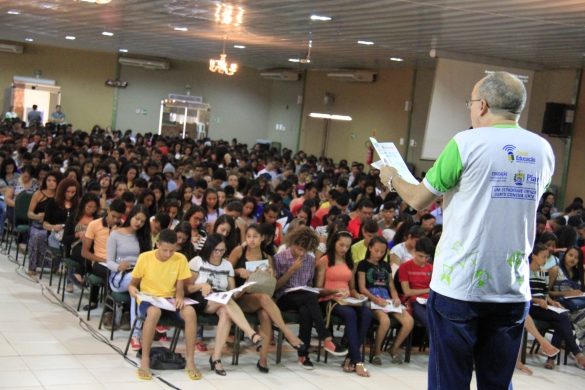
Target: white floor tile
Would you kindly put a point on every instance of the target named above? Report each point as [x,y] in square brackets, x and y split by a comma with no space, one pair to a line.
[12,363]
[15,379]
[65,376]
[52,362]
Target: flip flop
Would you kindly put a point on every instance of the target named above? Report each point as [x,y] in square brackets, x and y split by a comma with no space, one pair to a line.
[194,375]
[552,354]
[144,374]
[200,345]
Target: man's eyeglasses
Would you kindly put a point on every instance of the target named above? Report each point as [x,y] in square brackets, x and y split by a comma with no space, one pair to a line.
[468,103]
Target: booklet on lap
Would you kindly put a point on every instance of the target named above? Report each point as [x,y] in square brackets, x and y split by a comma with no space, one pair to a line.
[163,303]
[224,296]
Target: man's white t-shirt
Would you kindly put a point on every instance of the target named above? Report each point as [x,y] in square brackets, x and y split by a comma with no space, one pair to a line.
[492,179]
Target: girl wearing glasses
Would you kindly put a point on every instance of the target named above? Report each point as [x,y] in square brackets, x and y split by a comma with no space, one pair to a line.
[210,272]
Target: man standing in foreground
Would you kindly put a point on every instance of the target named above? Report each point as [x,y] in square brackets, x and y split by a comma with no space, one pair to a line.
[492,178]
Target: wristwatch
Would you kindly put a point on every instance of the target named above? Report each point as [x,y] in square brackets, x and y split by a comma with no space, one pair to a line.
[390,181]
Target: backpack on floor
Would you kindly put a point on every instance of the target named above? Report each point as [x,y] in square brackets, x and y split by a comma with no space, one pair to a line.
[162,358]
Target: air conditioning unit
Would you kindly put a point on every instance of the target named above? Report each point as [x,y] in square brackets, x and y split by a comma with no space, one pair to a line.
[356,77]
[11,48]
[185,98]
[145,63]
[281,75]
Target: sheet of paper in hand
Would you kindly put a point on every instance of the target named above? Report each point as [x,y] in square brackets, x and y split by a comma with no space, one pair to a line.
[391,156]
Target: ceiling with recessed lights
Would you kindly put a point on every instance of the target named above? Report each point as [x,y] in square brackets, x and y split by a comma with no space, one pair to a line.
[543,32]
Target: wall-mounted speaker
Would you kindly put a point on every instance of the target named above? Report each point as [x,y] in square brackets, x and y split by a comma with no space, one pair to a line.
[558,119]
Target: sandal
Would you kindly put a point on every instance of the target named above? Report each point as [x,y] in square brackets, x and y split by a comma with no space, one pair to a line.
[257,342]
[377,360]
[194,375]
[396,359]
[361,370]
[550,364]
[144,374]
[580,356]
[555,352]
[347,366]
[200,345]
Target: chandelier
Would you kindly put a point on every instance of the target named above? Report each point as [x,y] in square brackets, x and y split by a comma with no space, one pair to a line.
[221,65]
[226,14]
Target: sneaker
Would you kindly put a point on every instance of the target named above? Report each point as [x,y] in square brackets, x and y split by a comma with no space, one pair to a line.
[108,321]
[305,362]
[125,321]
[135,343]
[333,347]
[162,329]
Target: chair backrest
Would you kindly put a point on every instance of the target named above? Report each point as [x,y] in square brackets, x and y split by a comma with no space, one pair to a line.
[397,284]
[21,206]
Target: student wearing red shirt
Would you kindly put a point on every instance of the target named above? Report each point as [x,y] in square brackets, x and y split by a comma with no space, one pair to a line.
[365,209]
[415,278]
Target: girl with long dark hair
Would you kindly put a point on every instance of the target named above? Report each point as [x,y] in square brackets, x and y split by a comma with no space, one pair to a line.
[336,275]
[122,250]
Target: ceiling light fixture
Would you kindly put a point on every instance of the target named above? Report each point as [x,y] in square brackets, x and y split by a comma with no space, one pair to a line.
[71,38]
[109,34]
[180,28]
[294,60]
[322,18]
[100,2]
[221,66]
[327,116]
[365,42]
[28,39]
[123,50]
[398,59]
[226,14]
[239,46]
[11,12]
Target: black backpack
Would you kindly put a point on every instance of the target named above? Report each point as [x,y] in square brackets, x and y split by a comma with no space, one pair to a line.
[162,358]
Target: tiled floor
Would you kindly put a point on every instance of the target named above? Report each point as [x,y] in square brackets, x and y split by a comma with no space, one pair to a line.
[42,346]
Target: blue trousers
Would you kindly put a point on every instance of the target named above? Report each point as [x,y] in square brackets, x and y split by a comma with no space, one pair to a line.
[357,320]
[463,333]
[420,313]
[2,216]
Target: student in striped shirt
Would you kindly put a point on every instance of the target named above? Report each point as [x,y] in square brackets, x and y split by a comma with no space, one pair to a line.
[539,310]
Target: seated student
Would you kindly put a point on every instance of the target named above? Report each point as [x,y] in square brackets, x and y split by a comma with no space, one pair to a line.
[427,222]
[547,347]
[195,216]
[375,282]
[405,250]
[210,272]
[269,215]
[262,304]
[171,207]
[140,185]
[388,214]
[124,246]
[97,234]
[129,200]
[566,280]
[336,275]
[368,230]
[549,240]
[365,210]
[541,299]
[340,202]
[74,233]
[164,273]
[158,223]
[295,267]
[415,278]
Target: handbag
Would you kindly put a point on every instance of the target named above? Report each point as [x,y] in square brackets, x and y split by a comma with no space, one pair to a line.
[265,282]
[573,304]
[162,358]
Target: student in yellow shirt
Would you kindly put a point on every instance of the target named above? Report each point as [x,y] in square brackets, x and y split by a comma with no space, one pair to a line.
[163,273]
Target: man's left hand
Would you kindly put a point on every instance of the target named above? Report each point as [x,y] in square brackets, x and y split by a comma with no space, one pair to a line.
[385,174]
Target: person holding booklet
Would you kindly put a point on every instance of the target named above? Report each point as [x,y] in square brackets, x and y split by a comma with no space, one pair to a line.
[376,283]
[123,247]
[295,267]
[336,275]
[268,312]
[211,273]
[164,273]
[415,278]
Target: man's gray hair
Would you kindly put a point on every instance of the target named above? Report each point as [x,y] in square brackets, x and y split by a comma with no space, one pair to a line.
[504,93]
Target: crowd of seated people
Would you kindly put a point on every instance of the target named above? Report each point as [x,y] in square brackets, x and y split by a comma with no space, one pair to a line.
[184,218]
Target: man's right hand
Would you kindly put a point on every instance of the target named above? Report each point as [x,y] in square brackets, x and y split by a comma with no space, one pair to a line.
[542,304]
[133,291]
